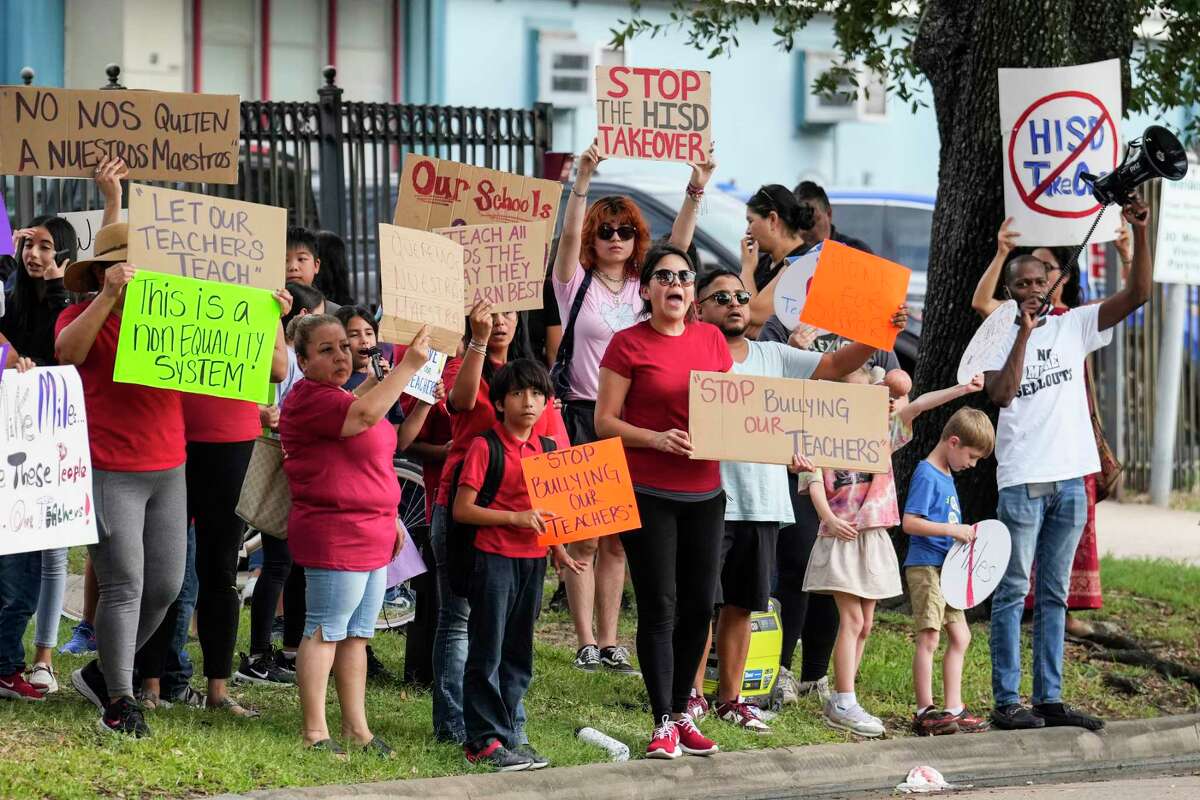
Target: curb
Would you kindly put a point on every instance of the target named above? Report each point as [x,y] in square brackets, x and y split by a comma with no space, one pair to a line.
[998,757]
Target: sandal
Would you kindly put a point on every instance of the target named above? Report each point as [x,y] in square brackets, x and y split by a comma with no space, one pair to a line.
[235,708]
[330,746]
[379,747]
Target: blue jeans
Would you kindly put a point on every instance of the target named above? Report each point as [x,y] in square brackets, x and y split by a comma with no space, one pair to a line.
[342,603]
[50,597]
[450,646]
[1045,521]
[177,666]
[20,577]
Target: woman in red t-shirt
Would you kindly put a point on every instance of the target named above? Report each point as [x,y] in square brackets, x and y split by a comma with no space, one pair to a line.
[674,559]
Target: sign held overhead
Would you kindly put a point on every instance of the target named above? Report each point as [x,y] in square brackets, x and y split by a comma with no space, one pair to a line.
[654,114]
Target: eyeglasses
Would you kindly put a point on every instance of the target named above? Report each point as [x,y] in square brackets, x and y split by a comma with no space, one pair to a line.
[666,277]
[623,232]
[724,298]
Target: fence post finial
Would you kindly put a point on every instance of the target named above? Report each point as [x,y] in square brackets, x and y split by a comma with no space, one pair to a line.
[27,75]
[330,72]
[114,72]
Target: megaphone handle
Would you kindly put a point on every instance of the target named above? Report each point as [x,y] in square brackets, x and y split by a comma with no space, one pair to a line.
[1072,263]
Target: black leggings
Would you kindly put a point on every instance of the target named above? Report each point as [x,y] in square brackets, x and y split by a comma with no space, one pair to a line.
[674,561]
[811,618]
[278,575]
[215,472]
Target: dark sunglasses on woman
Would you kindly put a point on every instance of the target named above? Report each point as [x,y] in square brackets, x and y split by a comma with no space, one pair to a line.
[666,277]
[724,298]
[623,232]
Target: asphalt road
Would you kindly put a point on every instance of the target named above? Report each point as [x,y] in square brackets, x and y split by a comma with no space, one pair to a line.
[1174,788]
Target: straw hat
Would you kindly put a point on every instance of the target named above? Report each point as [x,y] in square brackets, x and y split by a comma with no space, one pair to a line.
[112,247]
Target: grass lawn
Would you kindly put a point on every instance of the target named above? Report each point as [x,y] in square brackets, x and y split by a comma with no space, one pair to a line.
[52,749]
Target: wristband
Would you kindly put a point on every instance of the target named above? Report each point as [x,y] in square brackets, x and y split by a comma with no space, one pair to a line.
[578,194]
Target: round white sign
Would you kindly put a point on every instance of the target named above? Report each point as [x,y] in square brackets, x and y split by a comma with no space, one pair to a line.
[995,334]
[792,288]
[972,571]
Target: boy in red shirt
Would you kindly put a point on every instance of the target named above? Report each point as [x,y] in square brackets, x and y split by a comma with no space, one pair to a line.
[510,565]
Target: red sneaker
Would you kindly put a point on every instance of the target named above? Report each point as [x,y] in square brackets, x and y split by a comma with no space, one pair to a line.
[691,740]
[664,742]
[971,723]
[15,687]
[697,706]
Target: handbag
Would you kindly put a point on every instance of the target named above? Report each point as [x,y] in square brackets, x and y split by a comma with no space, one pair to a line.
[266,499]
[1110,467]
[559,379]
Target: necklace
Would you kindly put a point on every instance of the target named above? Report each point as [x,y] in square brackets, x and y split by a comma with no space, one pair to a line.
[608,283]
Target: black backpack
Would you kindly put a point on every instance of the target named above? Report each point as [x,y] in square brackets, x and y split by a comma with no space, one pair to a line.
[460,537]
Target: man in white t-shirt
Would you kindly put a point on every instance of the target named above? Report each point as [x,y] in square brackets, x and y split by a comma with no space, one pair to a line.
[1044,448]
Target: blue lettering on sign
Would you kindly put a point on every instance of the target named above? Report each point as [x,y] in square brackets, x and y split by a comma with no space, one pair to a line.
[1063,136]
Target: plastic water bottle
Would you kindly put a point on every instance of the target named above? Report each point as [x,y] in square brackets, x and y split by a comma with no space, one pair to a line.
[617,751]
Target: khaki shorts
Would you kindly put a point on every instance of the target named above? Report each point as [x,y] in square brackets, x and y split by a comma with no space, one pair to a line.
[929,608]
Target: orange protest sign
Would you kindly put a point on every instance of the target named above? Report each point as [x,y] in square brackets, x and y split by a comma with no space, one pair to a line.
[854,294]
[587,488]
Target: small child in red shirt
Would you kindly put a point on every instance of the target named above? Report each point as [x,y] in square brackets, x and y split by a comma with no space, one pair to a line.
[510,565]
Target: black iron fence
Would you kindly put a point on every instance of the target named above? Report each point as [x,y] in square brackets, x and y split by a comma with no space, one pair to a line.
[334,165]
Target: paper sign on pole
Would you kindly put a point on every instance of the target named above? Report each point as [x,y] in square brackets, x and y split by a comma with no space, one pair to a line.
[1177,254]
[655,114]
[1057,124]
[197,336]
[856,294]
[767,420]
[45,462]
[503,262]
[993,335]
[421,279]
[172,136]
[6,232]
[793,286]
[211,238]
[424,382]
[86,225]
[971,572]
[587,488]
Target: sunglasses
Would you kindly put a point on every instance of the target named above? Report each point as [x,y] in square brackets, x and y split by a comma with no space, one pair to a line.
[724,298]
[666,277]
[623,232]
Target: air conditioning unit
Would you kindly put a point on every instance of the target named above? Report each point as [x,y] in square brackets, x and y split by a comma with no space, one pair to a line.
[565,71]
[865,103]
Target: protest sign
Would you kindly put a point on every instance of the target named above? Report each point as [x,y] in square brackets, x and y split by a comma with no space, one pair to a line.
[971,572]
[993,336]
[6,233]
[86,224]
[1177,254]
[424,382]
[767,420]
[5,349]
[439,194]
[1058,124]
[407,564]
[211,238]
[172,136]
[793,286]
[504,263]
[421,280]
[45,462]
[587,488]
[656,114]
[197,336]
[855,294]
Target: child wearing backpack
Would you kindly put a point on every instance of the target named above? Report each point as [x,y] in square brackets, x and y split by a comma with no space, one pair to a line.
[505,587]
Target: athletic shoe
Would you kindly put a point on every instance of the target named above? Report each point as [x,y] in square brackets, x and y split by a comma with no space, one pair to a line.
[286,664]
[189,697]
[932,722]
[536,759]
[691,740]
[789,687]
[498,757]
[1061,715]
[697,706]
[376,671]
[1016,717]
[664,742]
[41,676]
[820,686]
[261,669]
[970,723]
[15,687]
[741,714]
[89,682]
[616,659]
[83,640]
[588,658]
[399,608]
[124,715]
[854,719]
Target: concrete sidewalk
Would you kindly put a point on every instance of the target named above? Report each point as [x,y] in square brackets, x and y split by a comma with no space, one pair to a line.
[1129,530]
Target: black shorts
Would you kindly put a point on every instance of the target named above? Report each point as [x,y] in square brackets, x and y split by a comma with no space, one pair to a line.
[747,563]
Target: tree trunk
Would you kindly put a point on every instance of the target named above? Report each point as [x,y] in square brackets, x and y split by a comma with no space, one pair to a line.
[959,47]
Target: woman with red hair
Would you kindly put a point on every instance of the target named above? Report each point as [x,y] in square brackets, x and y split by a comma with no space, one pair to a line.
[597,283]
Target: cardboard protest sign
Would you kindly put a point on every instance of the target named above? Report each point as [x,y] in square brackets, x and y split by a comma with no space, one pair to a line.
[587,488]
[995,334]
[211,238]
[425,380]
[197,336]
[767,420]
[971,572]
[421,278]
[161,135]
[1177,250]
[656,114]
[86,224]
[1058,124]
[793,286]
[504,262]
[45,462]
[6,232]
[855,294]
[438,194]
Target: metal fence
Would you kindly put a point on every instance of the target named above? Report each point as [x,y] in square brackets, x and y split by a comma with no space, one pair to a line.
[333,164]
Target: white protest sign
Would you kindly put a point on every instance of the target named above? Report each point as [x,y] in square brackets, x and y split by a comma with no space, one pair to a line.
[1058,124]
[1177,254]
[995,334]
[972,571]
[45,462]
[425,380]
[86,223]
[793,285]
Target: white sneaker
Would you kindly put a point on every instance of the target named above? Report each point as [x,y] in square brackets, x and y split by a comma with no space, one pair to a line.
[820,686]
[41,676]
[789,687]
[854,719]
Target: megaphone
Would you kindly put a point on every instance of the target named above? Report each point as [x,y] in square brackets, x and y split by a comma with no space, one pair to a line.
[1158,154]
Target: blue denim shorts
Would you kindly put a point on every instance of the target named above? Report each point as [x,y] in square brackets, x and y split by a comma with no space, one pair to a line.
[343,603]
